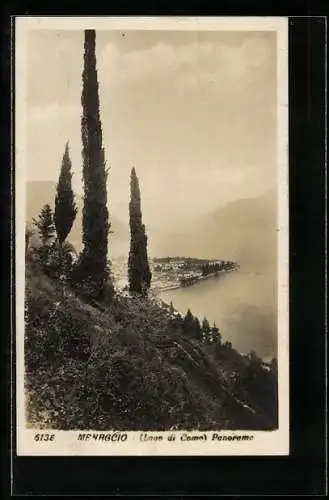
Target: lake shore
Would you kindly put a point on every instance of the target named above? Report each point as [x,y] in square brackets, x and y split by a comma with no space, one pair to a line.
[174,285]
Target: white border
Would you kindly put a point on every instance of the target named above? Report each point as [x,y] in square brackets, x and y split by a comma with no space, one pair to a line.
[66,443]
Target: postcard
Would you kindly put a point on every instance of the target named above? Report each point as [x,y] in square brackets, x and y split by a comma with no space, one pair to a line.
[151,205]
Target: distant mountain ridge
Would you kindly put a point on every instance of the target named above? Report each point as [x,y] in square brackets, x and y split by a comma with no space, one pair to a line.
[243,230]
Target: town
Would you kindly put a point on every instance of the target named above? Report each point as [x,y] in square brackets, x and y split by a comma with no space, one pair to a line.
[173,272]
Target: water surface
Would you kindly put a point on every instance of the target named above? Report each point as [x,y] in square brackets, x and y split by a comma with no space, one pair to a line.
[242,304]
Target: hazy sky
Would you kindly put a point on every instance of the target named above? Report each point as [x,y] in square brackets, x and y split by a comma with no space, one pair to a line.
[194,112]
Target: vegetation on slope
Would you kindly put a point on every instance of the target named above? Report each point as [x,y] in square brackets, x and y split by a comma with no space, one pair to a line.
[129,365]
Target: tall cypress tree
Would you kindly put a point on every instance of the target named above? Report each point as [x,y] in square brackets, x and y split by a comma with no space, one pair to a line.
[146,272]
[93,264]
[65,207]
[139,273]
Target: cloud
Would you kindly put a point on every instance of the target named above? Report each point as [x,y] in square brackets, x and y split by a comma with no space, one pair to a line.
[51,112]
[49,127]
[191,144]
[192,64]
[54,66]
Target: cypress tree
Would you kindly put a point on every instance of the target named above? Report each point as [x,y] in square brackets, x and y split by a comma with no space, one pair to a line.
[93,264]
[65,207]
[139,273]
[206,330]
[146,272]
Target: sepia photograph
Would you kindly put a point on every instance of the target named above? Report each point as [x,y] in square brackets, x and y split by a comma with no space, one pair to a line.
[152,236]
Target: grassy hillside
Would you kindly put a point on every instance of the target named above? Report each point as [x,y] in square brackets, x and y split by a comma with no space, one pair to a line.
[129,366]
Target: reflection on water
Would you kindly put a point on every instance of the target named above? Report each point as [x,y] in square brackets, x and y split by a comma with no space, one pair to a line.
[242,304]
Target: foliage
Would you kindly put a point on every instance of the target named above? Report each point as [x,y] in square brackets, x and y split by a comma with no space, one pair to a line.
[260,385]
[125,366]
[206,330]
[197,328]
[188,322]
[46,229]
[65,207]
[55,259]
[91,273]
[28,235]
[64,258]
[215,334]
[45,225]
[211,267]
[191,327]
[139,273]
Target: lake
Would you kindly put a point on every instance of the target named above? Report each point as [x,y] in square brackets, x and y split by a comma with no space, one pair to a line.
[242,304]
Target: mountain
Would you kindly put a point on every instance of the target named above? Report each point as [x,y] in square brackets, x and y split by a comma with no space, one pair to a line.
[243,230]
[38,193]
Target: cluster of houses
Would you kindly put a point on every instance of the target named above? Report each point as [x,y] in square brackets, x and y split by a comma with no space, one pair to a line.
[183,271]
[163,265]
[172,272]
[179,263]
